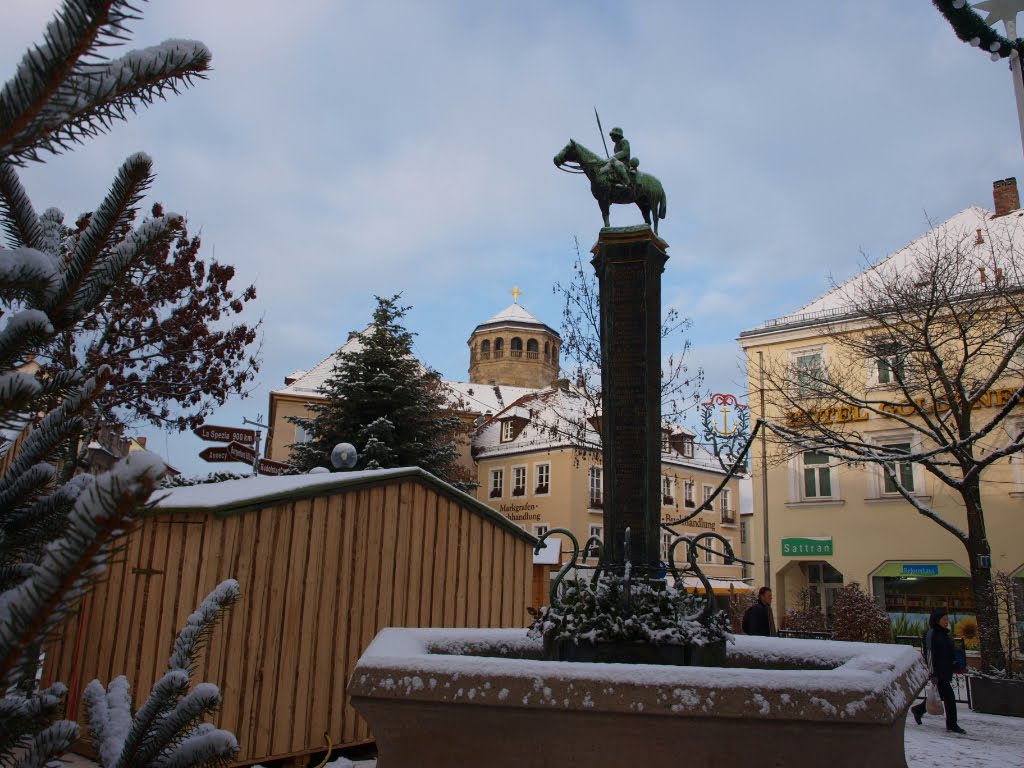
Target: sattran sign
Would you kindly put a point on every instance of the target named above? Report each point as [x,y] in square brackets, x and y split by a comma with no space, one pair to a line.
[807,545]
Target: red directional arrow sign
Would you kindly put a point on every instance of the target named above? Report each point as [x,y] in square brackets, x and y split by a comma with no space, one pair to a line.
[225,434]
[230,452]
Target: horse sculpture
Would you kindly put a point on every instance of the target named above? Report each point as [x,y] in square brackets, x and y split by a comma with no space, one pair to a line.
[646,191]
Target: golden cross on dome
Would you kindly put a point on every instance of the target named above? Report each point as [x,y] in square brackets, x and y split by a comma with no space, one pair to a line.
[515,294]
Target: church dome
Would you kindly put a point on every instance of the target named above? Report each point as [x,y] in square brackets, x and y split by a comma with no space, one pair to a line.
[514,348]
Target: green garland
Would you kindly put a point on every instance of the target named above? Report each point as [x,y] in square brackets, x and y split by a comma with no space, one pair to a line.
[972,29]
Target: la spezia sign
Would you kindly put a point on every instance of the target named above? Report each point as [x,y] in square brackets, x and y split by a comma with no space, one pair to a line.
[807,545]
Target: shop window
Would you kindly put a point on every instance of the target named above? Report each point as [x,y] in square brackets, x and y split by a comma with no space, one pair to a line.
[667,488]
[817,475]
[497,483]
[543,478]
[596,495]
[518,481]
[688,493]
[903,470]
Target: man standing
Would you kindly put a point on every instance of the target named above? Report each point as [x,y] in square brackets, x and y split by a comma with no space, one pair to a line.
[939,655]
[758,620]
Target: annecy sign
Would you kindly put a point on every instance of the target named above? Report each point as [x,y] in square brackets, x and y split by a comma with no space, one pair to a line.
[994,398]
[807,545]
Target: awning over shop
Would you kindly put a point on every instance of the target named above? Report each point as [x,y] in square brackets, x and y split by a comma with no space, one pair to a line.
[920,570]
[718,586]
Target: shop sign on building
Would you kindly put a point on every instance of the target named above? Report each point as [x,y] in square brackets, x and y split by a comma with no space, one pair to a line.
[807,545]
[920,569]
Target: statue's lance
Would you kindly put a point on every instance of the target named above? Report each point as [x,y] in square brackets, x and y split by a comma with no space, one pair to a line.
[601,131]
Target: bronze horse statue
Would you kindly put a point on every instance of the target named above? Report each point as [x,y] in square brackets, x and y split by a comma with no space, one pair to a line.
[646,191]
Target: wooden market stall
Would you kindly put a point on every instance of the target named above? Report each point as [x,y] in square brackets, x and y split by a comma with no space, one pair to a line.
[324,562]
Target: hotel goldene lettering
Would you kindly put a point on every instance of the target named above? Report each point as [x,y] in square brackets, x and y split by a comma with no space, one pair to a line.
[994,398]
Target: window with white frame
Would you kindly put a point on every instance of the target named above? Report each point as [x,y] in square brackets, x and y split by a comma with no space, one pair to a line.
[596,532]
[519,481]
[816,476]
[666,543]
[497,483]
[596,496]
[542,475]
[667,490]
[508,430]
[303,435]
[539,529]
[725,505]
[708,490]
[903,470]
[687,447]
[743,531]
[709,555]
[688,493]
[808,366]
[664,441]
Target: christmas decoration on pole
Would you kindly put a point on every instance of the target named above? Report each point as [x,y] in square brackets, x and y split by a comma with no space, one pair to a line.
[972,28]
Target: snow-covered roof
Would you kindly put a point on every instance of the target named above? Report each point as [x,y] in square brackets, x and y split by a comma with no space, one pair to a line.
[517,316]
[312,381]
[562,417]
[1004,232]
[484,398]
[247,493]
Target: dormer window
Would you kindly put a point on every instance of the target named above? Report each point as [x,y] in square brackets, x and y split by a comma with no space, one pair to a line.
[687,447]
[508,431]
[664,441]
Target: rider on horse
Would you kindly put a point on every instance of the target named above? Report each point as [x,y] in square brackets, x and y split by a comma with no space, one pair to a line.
[619,165]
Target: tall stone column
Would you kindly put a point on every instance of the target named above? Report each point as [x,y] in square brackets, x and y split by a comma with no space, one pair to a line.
[629,262]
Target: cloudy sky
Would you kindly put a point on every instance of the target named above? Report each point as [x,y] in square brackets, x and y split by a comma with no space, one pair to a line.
[346,149]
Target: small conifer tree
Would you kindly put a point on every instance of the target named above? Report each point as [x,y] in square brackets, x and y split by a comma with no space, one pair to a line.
[385,402]
[856,616]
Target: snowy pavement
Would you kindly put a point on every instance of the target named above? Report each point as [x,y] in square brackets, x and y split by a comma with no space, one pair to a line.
[991,742]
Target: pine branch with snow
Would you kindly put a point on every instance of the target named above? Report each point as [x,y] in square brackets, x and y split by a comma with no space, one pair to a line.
[58,528]
[168,730]
[66,90]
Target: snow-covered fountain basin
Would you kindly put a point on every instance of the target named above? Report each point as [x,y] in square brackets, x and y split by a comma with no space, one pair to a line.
[468,697]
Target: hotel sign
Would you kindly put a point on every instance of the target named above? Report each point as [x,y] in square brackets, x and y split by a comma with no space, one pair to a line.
[994,398]
[807,545]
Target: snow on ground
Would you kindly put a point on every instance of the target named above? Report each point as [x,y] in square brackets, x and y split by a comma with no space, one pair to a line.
[991,742]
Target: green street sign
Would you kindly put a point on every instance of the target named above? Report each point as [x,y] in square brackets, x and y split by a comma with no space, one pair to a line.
[807,545]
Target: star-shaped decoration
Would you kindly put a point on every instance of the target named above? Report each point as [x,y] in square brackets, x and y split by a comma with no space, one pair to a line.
[1000,10]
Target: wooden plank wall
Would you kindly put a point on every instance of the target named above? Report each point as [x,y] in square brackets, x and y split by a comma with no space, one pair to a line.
[319,578]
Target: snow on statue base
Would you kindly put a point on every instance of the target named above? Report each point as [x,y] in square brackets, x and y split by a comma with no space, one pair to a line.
[457,697]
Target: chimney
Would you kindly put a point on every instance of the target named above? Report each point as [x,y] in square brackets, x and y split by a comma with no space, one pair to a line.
[141,441]
[1005,196]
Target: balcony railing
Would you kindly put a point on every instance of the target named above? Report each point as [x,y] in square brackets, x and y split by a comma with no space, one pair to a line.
[596,504]
[532,355]
[729,518]
[515,353]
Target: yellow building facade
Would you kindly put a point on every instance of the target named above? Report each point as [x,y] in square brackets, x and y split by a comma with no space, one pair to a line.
[829,523]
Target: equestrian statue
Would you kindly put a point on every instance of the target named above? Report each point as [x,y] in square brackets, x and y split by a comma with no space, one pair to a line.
[616,179]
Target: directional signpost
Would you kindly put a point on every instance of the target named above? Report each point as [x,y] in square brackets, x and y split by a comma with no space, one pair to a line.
[242,446]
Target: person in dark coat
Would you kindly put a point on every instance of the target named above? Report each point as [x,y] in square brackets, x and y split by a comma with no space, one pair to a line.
[758,620]
[939,655]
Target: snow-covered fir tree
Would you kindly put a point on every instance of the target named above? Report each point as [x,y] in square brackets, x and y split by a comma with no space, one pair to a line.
[58,529]
[386,403]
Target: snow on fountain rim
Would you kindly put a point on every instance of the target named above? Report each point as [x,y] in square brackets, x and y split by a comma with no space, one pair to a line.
[853,682]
